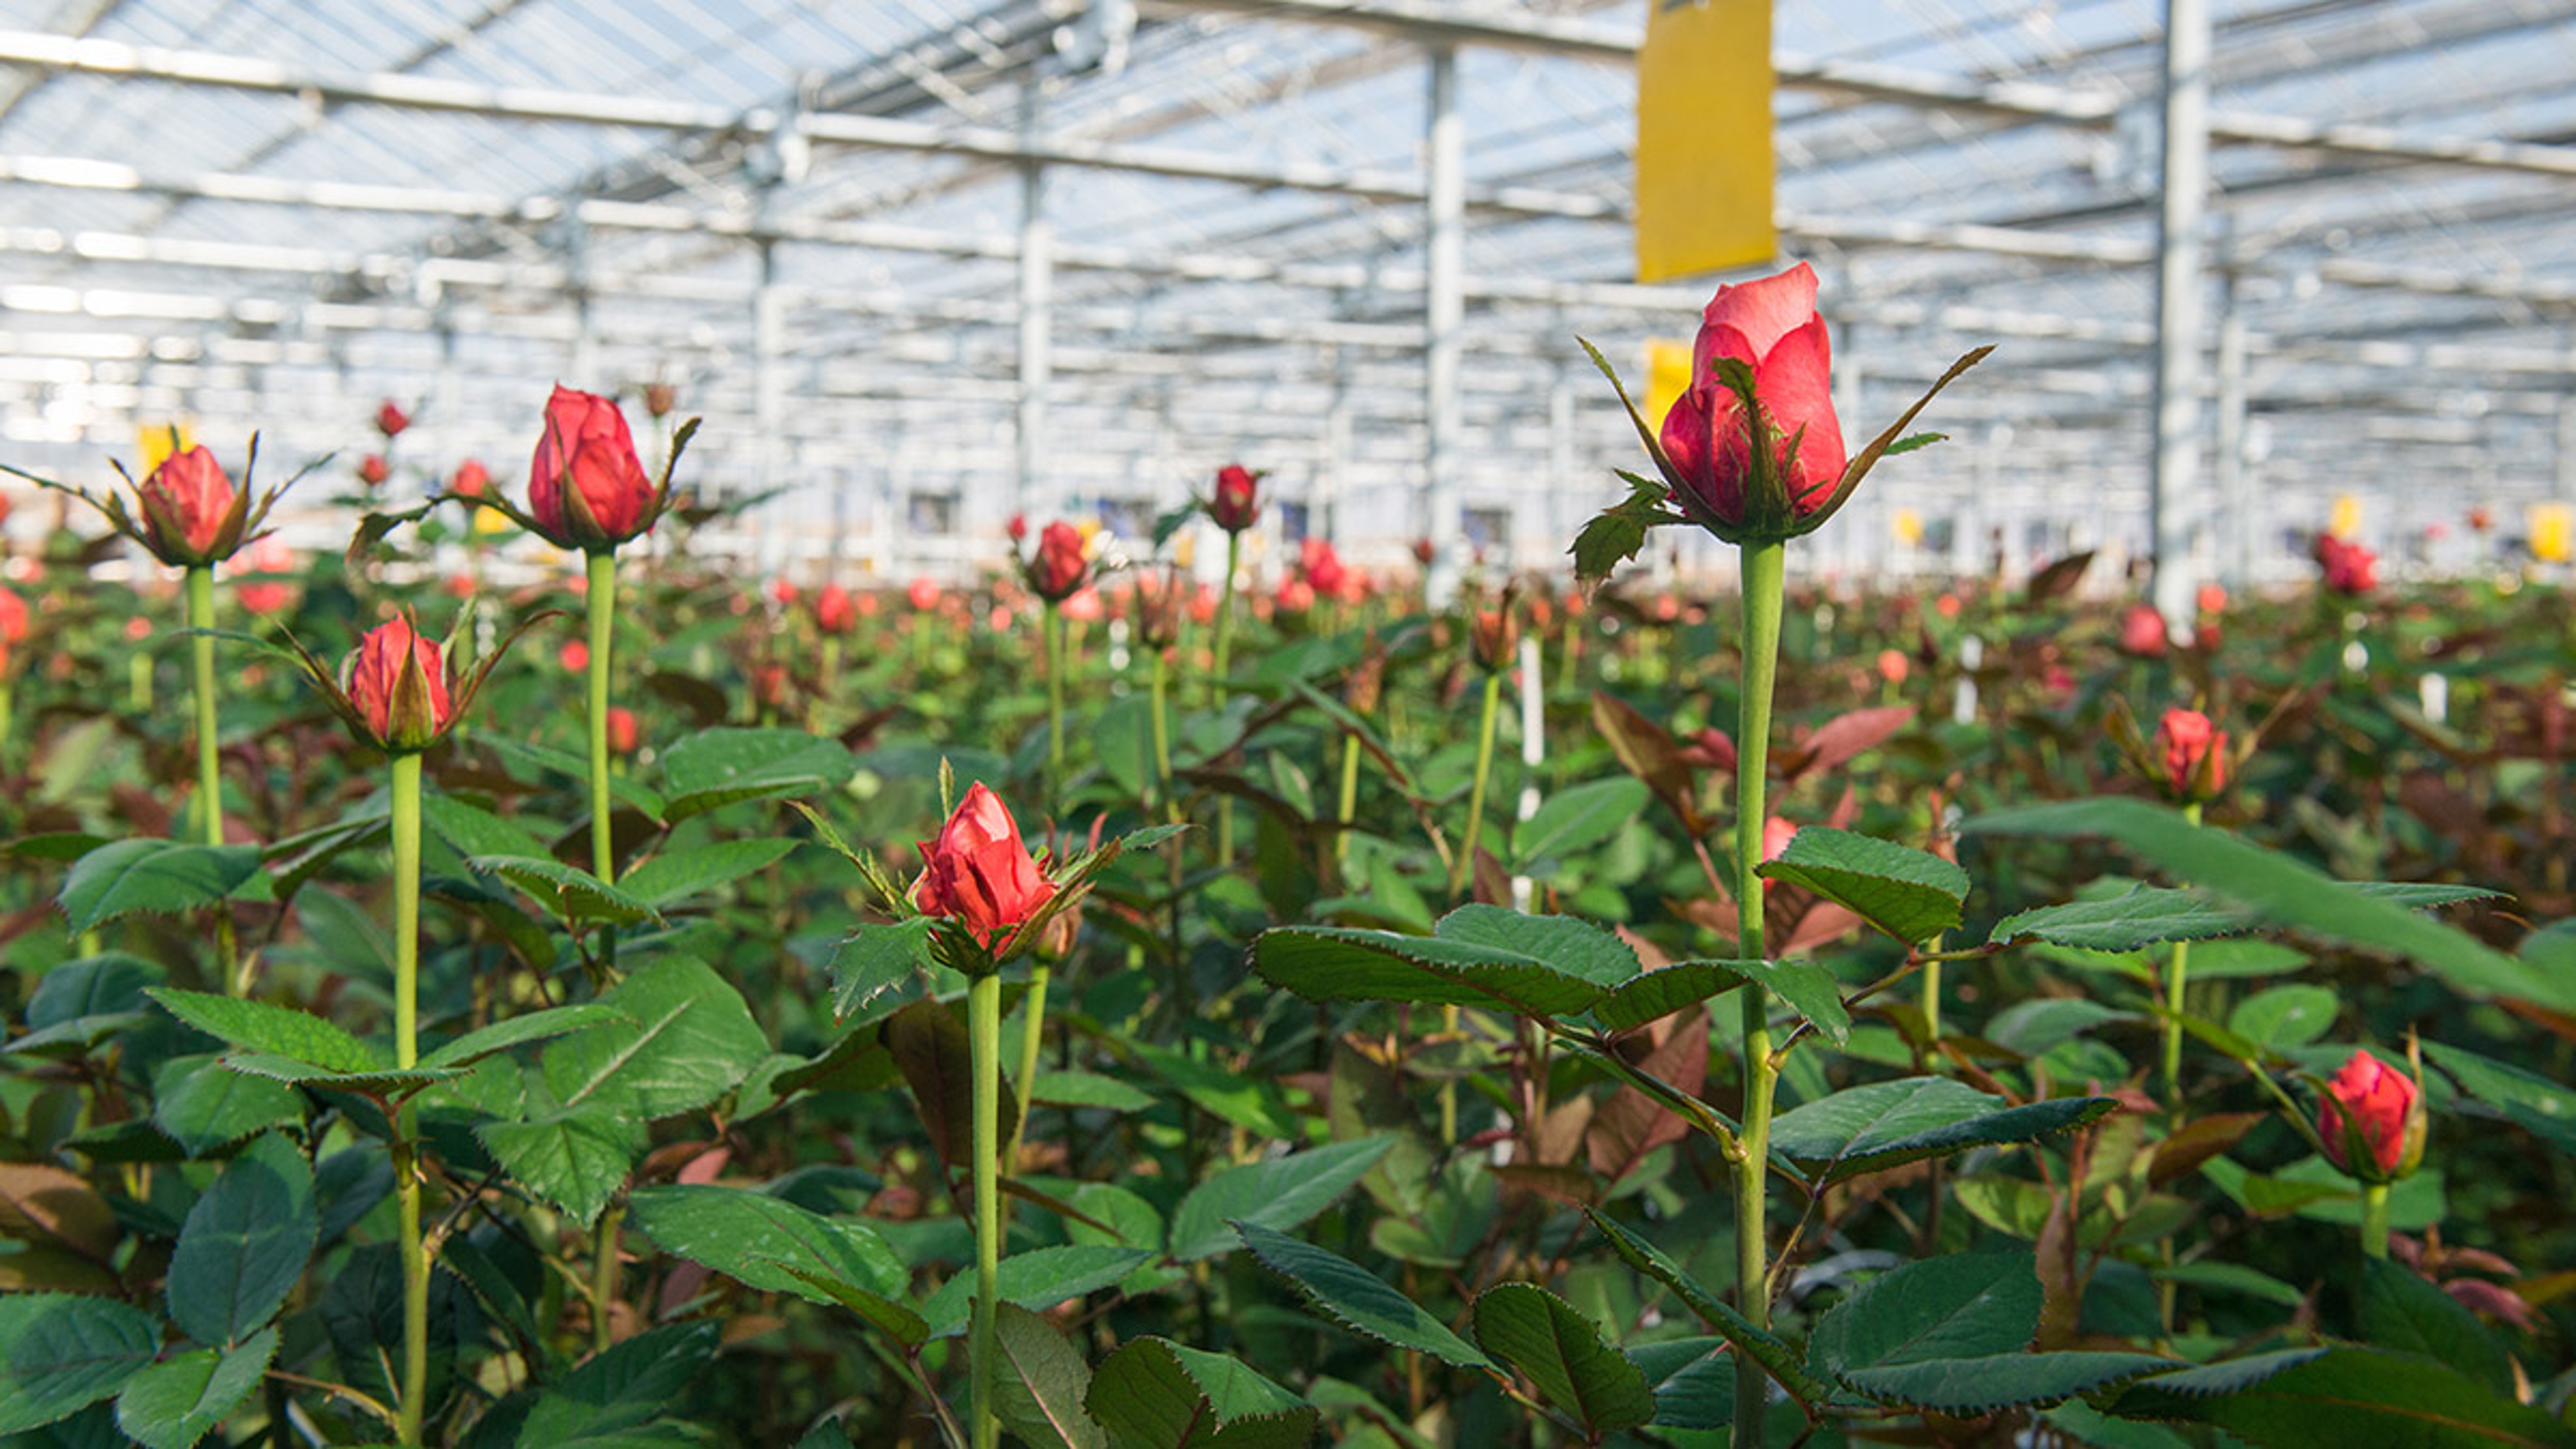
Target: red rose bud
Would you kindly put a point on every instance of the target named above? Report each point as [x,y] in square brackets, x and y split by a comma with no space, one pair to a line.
[2481,518]
[2350,569]
[1017,528]
[397,682]
[1296,596]
[660,398]
[1237,502]
[2371,1120]
[1322,566]
[1084,607]
[2142,632]
[470,480]
[1893,666]
[586,486]
[2195,753]
[574,657]
[1770,326]
[978,874]
[2212,599]
[922,595]
[138,628]
[373,470]
[391,419]
[784,591]
[623,733]
[189,509]
[835,612]
[1060,565]
[1496,635]
[13,617]
[1422,551]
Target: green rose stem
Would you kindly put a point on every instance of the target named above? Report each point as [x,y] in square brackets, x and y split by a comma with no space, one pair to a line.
[984,1046]
[1765,569]
[602,602]
[603,618]
[1350,803]
[2174,980]
[1462,868]
[1224,652]
[415,1256]
[2374,1220]
[1053,630]
[210,785]
[1161,694]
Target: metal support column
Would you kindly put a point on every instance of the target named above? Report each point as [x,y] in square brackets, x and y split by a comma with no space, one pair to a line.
[2236,501]
[1037,336]
[583,364]
[768,401]
[1563,483]
[1444,317]
[2176,496]
[1334,478]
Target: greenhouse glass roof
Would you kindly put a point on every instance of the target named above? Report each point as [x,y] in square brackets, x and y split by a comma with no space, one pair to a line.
[923,262]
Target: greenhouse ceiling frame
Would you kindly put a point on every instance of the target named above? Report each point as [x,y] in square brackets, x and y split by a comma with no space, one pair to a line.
[376,289]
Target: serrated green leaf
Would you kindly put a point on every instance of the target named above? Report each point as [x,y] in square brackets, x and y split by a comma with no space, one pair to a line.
[1777,1358]
[691,1040]
[1155,1394]
[1279,1194]
[575,1159]
[173,1404]
[520,1030]
[2546,1108]
[719,767]
[470,830]
[605,1402]
[2283,1017]
[1039,1390]
[1693,1380]
[752,1237]
[1561,1352]
[258,1026]
[1803,986]
[61,1352]
[2285,892]
[567,891]
[160,876]
[675,875]
[1574,947]
[2145,916]
[1037,1279]
[876,960]
[1332,963]
[202,1106]
[2303,1397]
[1982,1385]
[1088,1089]
[244,1244]
[1356,1298]
[374,1081]
[1910,894]
[2403,1311]
[1885,1124]
[1948,1333]
[1578,818]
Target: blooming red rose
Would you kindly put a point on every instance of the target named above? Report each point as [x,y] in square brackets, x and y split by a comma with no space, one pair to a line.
[373,470]
[2195,753]
[391,419]
[2350,568]
[835,612]
[1322,566]
[470,479]
[2142,631]
[1237,502]
[586,486]
[1770,326]
[978,874]
[2371,1119]
[189,507]
[1060,565]
[397,681]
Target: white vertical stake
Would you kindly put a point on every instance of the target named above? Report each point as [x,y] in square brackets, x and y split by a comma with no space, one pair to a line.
[2435,691]
[1533,751]
[1963,705]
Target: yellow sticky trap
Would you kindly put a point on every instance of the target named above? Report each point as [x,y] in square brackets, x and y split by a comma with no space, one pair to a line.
[2553,527]
[492,520]
[1705,166]
[160,440]
[2346,521]
[1668,376]
[1185,549]
[1909,526]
